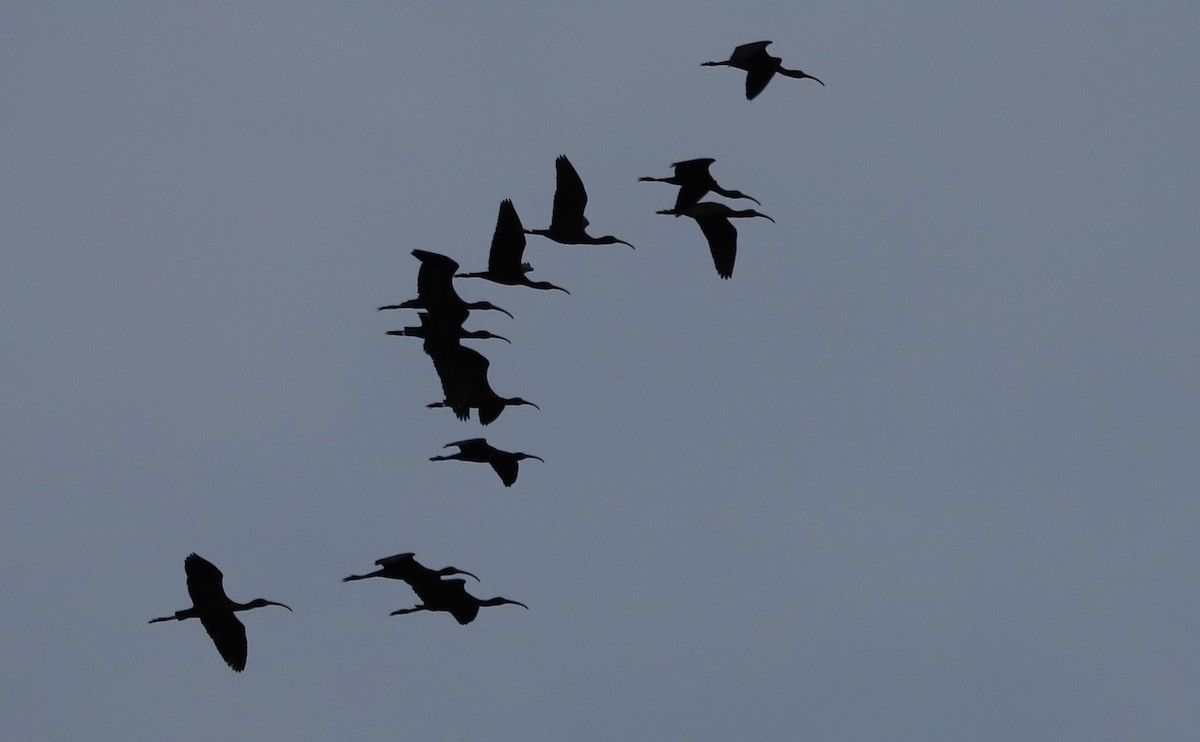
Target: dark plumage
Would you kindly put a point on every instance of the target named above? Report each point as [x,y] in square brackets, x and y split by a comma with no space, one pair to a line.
[451,596]
[478,450]
[463,373]
[568,225]
[215,610]
[441,330]
[694,182]
[713,219]
[405,567]
[504,257]
[759,66]
[435,290]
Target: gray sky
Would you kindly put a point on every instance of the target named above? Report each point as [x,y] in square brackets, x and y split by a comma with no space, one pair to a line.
[924,469]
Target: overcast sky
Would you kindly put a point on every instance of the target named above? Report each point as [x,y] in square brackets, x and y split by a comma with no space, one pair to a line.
[924,469]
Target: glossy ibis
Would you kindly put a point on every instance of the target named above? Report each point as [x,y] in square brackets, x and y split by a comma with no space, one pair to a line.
[451,596]
[759,66]
[504,258]
[694,182]
[568,225]
[215,610]
[713,219]
[480,451]
[405,567]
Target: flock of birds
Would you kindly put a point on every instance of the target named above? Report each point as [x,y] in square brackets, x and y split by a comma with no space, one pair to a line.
[463,371]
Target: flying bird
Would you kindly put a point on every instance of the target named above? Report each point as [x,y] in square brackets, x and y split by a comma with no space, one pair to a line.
[451,596]
[504,258]
[463,373]
[713,219]
[441,330]
[435,290]
[405,567]
[694,182]
[215,610]
[478,450]
[759,66]
[568,225]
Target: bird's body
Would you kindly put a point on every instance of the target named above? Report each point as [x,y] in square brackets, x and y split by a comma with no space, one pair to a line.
[436,329]
[758,65]
[694,182]
[215,610]
[435,291]
[478,450]
[451,596]
[568,225]
[505,264]
[405,567]
[463,373]
[713,219]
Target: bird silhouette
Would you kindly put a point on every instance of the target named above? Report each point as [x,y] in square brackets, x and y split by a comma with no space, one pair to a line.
[694,182]
[713,219]
[405,567]
[215,610]
[442,330]
[759,66]
[463,373]
[435,290]
[451,596]
[504,258]
[568,225]
[478,450]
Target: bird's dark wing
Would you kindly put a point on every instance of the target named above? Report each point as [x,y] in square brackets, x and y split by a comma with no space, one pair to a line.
[229,635]
[508,241]
[469,442]
[748,52]
[757,78]
[404,558]
[692,168]
[436,275]
[570,198]
[722,243]
[689,195]
[204,583]
[506,468]
[463,372]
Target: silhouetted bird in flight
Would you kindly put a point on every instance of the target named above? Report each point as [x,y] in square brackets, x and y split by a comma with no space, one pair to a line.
[694,182]
[451,596]
[504,258]
[480,451]
[463,373]
[713,219]
[215,610]
[568,225]
[405,567]
[760,66]
[433,329]
[435,290]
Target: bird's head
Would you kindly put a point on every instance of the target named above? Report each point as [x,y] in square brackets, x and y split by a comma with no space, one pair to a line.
[502,601]
[488,305]
[262,602]
[522,456]
[456,571]
[519,401]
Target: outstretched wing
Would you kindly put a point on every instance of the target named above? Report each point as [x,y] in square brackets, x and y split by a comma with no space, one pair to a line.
[229,636]
[508,241]
[570,198]
[506,468]
[722,243]
[749,52]
[757,78]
